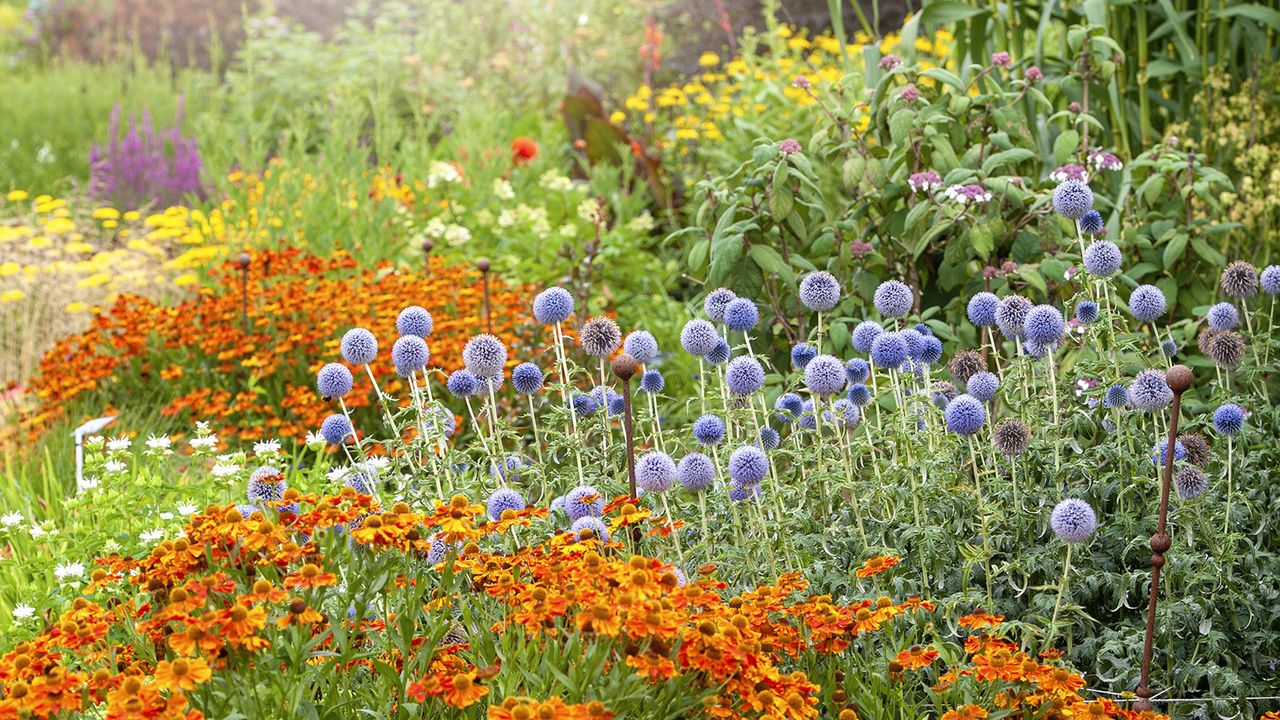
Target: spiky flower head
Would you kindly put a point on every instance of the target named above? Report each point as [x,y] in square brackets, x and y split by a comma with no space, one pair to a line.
[1011,314]
[819,291]
[552,305]
[801,354]
[1223,316]
[982,309]
[1073,520]
[715,303]
[1228,419]
[527,378]
[719,354]
[824,375]
[1198,451]
[748,465]
[930,352]
[889,350]
[943,393]
[584,405]
[1117,397]
[1072,199]
[1091,223]
[462,383]
[791,406]
[599,337]
[415,320]
[1191,482]
[266,484]
[914,340]
[1270,280]
[769,438]
[442,421]
[1149,391]
[744,375]
[652,382]
[655,472]
[741,315]
[1169,348]
[699,337]
[583,501]
[965,364]
[608,399]
[1044,325]
[893,299]
[865,334]
[361,482]
[843,414]
[335,429]
[1147,303]
[965,415]
[641,345]
[739,493]
[1102,258]
[359,346]
[857,370]
[334,381]
[858,394]
[708,430]
[696,472]
[1087,312]
[1160,452]
[1011,437]
[1240,279]
[1226,348]
[589,527]
[983,385]
[410,354]
[502,500]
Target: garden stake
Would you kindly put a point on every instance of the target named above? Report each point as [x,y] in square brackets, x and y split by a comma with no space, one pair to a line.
[243,261]
[483,265]
[427,247]
[624,366]
[1179,379]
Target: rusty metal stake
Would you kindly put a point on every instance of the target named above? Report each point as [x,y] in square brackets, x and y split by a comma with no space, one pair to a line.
[1179,378]
[483,265]
[244,261]
[624,366]
[427,247]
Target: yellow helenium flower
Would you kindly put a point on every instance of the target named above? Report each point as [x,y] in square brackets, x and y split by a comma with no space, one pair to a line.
[106,213]
[709,59]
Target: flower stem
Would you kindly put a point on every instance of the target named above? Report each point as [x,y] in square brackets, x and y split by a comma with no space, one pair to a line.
[1057,606]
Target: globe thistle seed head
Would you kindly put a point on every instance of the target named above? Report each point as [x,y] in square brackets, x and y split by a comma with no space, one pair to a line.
[1149,391]
[1073,520]
[824,375]
[335,429]
[599,337]
[741,315]
[641,345]
[1044,325]
[865,334]
[1223,316]
[1205,339]
[715,303]
[583,501]
[744,493]
[334,381]
[857,370]
[1011,313]
[1191,482]
[1270,280]
[791,406]
[696,472]
[1226,349]
[889,350]
[415,320]
[1011,437]
[930,351]
[361,482]
[1091,223]
[699,337]
[462,383]
[744,375]
[655,472]
[719,354]
[502,500]
[1072,199]
[1228,419]
[553,305]
[858,394]
[983,385]
[590,528]
[708,430]
[1169,348]
[893,299]
[1198,451]
[1160,452]
[652,382]
[748,465]
[359,346]
[943,393]
[965,415]
[769,438]
[801,354]
[1087,312]
[1240,280]
[1102,258]
[1117,397]
[410,354]
[819,291]
[527,378]
[266,484]
[982,309]
[584,405]
[965,364]
[1147,303]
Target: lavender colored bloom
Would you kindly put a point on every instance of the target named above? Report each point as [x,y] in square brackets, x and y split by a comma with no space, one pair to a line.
[715,303]
[335,429]
[1070,171]
[334,381]
[789,403]
[1073,520]
[1072,199]
[1011,313]
[914,341]
[1117,397]
[362,483]
[819,291]
[504,499]
[1228,419]
[965,415]
[790,146]
[930,351]
[462,383]
[1149,391]
[655,472]
[769,438]
[742,493]
[741,315]
[857,370]
[1044,325]
[1270,280]
[359,346]
[972,194]
[708,430]
[858,394]
[410,354]
[1102,258]
[1087,312]
[847,414]
[699,337]
[145,167]
[652,382]
[889,350]
[1160,452]
[893,299]
[748,465]
[266,484]
[1103,160]
[599,337]
[641,345]
[414,320]
[719,354]
[982,309]
[590,527]
[584,405]
[583,501]
[696,472]
[807,419]
[552,305]
[983,385]
[1223,316]
[924,181]
[527,378]
[801,354]
[744,375]
[1091,223]
[824,375]
[1147,303]
[864,334]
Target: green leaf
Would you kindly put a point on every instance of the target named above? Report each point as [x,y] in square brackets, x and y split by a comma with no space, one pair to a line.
[1255,12]
[1006,157]
[725,254]
[698,255]
[771,262]
[981,240]
[1065,146]
[1174,251]
[945,12]
[916,214]
[781,202]
[945,77]
[1208,253]
[839,336]
[1033,278]
[900,125]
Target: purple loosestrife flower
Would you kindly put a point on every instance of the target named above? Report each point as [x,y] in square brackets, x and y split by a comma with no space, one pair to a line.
[655,472]
[889,351]
[696,472]
[1228,419]
[335,429]
[145,167]
[893,299]
[1147,303]
[1102,258]
[983,385]
[1087,312]
[1240,280]
[824,375]
[641,345]
[583,501]
[504,499]
[741,315]
[708,430]
[858,394]
[462,383]
[552,305]
[1149,391]
[864,334]
[1270,280]
[744,375]
[801,354]
[1091,223]
[1044,325]
[699,337]
[590,528]
[652,382]
[748,465]
[716,302]
[410,354]
[334,381]
[599,337]
[982,309]
[857,370]
[719,354]
[965,415]
[1070,171]
[359,346]
[415,320]
[1073,520]
[527,378]
[1011,313]
[819,291]
[924,181]
[1072,199]
[968,194]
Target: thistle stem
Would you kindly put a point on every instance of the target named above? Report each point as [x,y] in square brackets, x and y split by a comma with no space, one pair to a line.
[1057,606]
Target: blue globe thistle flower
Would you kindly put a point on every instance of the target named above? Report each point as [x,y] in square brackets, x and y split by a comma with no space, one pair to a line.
[485,355]
[502,500]
[1169,348]
[442,421]
[807,419]
[889,350]
[1087,312]
[1228,419]
[846,414]
[696,472]
[1117,397]
[641,345]
[1270,280]
[769,438]
[893,299]
[824,375]
[791,406]
[266,484]
[819,291]
[1191,482]
[415,320]
[1091,223]
[719,354]
[652,382]
[246,511]
[410,354]
[361,482]
[858,394]
[708,430]
[715,303]
[924,329]
[1037,350]
[608,399]
[1044,325]
[1072,199]
[748,465]
[744,375]
[965,415]
[741,315]
[590,527]
[1073,520]
[1147,303]
[440,550]
[335,429]
[552,305]
[1223,316]
[857,370]
[655,472]
[1149,391]
[527,378]
[699,337]
[742,493]
[1160,452]
[864,334]
[507,469]
[943,393]
[801,354]
[583,501]
[982,309]
[462,383]
[599,337]
[983,385]
[930,351]
[334,381]
[1011,313]
[914,341]
[359,346]
[1102,258]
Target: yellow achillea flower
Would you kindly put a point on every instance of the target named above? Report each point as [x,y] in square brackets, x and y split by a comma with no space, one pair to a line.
[709,59]
[16,195]
[9,296]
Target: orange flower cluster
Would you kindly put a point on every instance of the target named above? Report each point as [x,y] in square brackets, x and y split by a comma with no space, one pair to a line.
[298,309]
[523,708]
